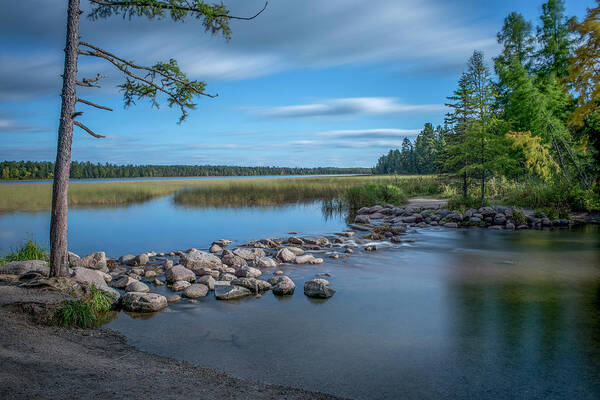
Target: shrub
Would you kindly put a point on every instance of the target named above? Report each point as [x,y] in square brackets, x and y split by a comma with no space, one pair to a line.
[461,203]
[28,251]
[372,194]
[85,312]
[519,217]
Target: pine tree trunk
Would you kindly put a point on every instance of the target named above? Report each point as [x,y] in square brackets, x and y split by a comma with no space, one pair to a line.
[58,222]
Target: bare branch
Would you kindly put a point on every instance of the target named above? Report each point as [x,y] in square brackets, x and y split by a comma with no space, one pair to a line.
[89,103]
[86,84]
[88,130]
[170,6]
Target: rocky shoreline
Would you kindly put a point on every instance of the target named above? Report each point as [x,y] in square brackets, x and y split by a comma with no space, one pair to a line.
[233,274]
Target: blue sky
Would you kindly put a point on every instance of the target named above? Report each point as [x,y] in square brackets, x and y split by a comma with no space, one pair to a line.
[308,83]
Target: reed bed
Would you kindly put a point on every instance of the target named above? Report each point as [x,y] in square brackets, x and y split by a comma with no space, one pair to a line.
[207,193]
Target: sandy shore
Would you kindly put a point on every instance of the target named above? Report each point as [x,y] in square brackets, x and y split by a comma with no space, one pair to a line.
[44,362]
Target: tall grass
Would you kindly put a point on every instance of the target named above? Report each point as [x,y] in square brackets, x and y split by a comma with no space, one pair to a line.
[85,312]
[28,251]
[372,194]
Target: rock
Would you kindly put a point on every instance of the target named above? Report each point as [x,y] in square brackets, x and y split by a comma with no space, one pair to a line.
[364,210]
[496,227]
[150,274]
[199,259]
[296,250]
[451,225]
[376,215]
[454,217]
[318,288]
[249,254]
[215,248]
[316,261]
[487,212]
[233,260]
[231,292]
[127,259]
[122,281]
[137,286]
[248,272]
[71,257]
[222,242]
[296,240]
[174,298]
[278,273]
[499,219]
[180,273]
[21,267]
[208,281]
[142,259]
[370,248]
[180,285]
[196,290]
[510,225]
[475,220]
[349,250]
[168,264]
[253,284]
[347,234]
[285,255]
[264,262]
[203,271]
[158,282]
[306,258]
[362,219]
[227,277]
[93,261]
[282,285]
[143,302]
[91,277]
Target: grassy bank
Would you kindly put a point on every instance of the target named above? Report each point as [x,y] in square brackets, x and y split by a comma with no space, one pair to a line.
[214,192]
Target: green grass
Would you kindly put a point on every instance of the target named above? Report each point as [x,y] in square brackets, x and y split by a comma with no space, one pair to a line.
[374,193]
[28,251]
[85,312]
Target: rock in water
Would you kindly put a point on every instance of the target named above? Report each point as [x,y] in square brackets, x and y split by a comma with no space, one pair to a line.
[282,285]
[200,259]
[122,282]
[196,290]
[230,292]
[318,288]
[21,267]
[306,258]
[127,259]
[143,302]
[264,262]
[285,255]
[249,254]
[222,242]
[180,273]
[215,248]
[362,219]
[207,280]
[180,285]
[141,259]
[137,286]
[255,285]
[232,260]
[92,261]
[248,272]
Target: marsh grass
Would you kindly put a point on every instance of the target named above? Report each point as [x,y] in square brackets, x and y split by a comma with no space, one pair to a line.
[208,193]
[28,251]
[85,312]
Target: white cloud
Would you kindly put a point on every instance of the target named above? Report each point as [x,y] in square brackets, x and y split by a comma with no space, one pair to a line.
[348,106]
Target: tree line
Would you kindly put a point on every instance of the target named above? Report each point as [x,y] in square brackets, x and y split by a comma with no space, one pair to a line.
[536,118]
[23,170]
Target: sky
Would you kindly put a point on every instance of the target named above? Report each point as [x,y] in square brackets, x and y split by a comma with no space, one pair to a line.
[305,84]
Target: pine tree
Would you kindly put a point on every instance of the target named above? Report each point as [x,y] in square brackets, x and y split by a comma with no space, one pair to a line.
[554,40]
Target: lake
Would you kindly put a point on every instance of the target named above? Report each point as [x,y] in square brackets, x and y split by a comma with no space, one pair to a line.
[454,314]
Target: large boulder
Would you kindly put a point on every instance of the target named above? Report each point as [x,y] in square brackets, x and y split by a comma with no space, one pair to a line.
[199,259]
[215,248]
[264,262]
[318,288]
[282,285]
[231,292]
[248,272]
[306,258]
[253,284]
[285,255]
[222,242]
[180,273]
[127,259]
[91,277]
[141,259]
[143,302]
[21,267]
[93,261]
[180,285]
[196,290]
[249,254]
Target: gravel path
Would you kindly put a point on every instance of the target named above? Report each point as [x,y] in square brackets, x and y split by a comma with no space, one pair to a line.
[45,362]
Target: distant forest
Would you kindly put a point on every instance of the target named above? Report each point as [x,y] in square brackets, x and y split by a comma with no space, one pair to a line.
[22,170]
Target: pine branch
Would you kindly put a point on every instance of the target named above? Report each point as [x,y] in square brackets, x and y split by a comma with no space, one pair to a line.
[88,130]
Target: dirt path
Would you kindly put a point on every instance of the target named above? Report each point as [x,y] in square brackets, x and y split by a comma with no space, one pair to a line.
[426,202]
[44,362]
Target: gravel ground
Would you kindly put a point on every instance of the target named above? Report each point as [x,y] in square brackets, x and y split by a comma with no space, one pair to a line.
[43,362]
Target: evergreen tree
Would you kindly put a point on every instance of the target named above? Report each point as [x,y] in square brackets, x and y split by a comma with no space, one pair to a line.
[554,40]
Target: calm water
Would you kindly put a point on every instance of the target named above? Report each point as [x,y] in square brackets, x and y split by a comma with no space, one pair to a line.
[456,314]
